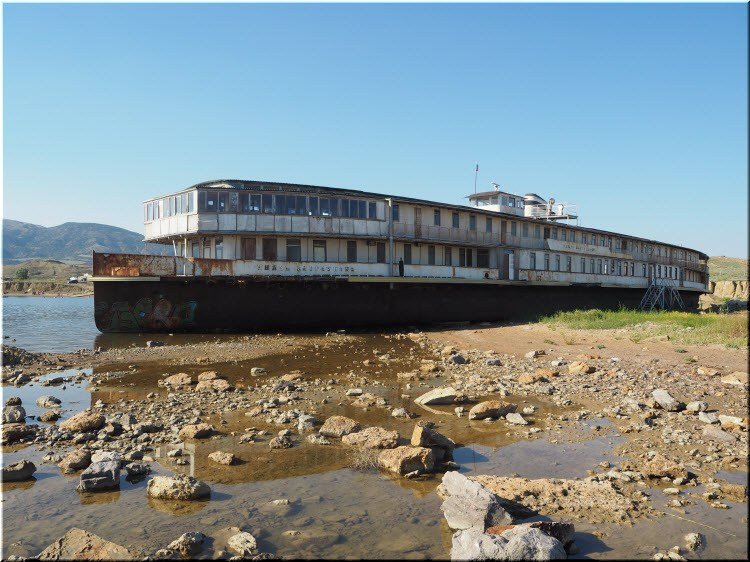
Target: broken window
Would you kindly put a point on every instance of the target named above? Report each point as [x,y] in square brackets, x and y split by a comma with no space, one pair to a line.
[293,249]
[430,255]
[248,248]
[351,250]
[407,254]
[269,249]
[319,250]
[483,258]
[380,249]
[454,219]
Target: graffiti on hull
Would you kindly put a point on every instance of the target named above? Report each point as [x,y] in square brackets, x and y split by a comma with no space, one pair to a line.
[147,313]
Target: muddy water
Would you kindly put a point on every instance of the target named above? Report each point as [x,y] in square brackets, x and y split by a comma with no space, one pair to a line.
[334,511]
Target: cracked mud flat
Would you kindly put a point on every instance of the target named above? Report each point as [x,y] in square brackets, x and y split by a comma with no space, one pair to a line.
[334,511]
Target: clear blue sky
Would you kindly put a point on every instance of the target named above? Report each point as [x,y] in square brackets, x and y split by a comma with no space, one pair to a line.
[635,112]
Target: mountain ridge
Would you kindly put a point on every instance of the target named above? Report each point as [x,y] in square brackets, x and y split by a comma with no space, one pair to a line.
[71,242]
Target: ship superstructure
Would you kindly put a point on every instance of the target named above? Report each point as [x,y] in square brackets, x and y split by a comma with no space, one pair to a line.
[253,231]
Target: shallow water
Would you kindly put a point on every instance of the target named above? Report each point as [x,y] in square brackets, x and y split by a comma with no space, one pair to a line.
[339,512]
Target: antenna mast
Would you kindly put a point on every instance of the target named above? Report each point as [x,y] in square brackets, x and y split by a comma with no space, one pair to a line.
[476,172]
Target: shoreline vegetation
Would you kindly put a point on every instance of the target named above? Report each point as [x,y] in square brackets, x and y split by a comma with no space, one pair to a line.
[46,289]
[690,328]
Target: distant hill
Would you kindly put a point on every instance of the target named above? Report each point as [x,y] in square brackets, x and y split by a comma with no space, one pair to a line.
[71,242]
[722,268]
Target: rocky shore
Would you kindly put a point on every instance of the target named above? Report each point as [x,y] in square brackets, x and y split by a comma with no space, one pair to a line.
[204,411]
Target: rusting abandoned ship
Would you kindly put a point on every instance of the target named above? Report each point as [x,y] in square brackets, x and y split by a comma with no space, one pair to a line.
[252,255]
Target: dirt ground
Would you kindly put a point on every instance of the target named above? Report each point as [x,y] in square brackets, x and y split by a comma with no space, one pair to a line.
[517,339]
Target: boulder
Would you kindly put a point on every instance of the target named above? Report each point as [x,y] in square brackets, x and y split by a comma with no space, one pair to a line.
[469,505]
[400,413]
[258,371]
[424,436]
[732,422]
[49,416]
[135,469]
[694,541]
[708,417]
[281,442]
[516,419]
[580,368]
[442,395]
[16,472]
[372,438]
[660,466]
[243,543]
[103,475]
[209,376]
[14,414]
[716,434]
[106,456]
[306,422]
[13,401]
[78,544]
[220,457]
[666,401]
[82,422]
[491,409]
[15,432]
[196,431]
[562,531]
[404,460]
[178,487]
[696,407]
[48,401]
[213,385]
[176,380]
[338,426]
[75,460]
[521,542]
[737,378]
[188,544]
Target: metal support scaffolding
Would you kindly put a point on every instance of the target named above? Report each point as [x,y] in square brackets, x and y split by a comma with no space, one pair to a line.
[662,294]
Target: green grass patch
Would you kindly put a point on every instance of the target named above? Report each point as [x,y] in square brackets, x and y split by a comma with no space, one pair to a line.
[680,327]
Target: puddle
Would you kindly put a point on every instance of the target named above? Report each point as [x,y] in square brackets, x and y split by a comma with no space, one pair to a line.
[74,395]
[337,511]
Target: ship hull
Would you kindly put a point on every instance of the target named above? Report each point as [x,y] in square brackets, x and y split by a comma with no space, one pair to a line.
[237,305]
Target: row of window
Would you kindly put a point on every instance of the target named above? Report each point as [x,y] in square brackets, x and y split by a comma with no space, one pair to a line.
[600,266]
[467,257]
[170,206]
[278,204]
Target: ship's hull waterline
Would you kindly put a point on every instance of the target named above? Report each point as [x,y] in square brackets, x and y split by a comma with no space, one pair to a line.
[245,305]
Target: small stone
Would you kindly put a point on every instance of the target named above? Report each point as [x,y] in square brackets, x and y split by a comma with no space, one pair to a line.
[221,457]
[19,471]
[48,401]
[354,392]
[338,426]
[516,419]
[188,544]
[85,421]
[179,487]
[667,401]
[443,395]
[75,460]
[98,476]
[196,431]
[403,460]
[243,543]
[694,541]
[491,409]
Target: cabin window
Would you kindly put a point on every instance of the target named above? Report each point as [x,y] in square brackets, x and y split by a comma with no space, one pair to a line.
[483,258]
[345,208]
[525,230]
[643,266]
[394,213]
[166,208]
[319,250]
[380,252]
[255,203]
[436,217]
[448,253]
[537,231]
[546,262]
[617,243]
[554,234]
[619,268]
[206,249]
[267,203]
[301,207]
[372,210]
[532,260]
[407,254]
[223,202]
[572,235]
[472,222]
[191,202]
[583,265]
[454,219]
[546,232]
[248,248]
[632,269]
[195,250]
[351,250]
[513,229]
[234,199]
[313,207]
[244,203]
[280,205]
[269,249]
[178,205]
[291,205]
[511,202]
[293,249]
[362,207]
[599,266]
[557,263]
[219,249]
[325,206]
[564,235]
[430,255]
[569,264]
[488,225]
[335,207]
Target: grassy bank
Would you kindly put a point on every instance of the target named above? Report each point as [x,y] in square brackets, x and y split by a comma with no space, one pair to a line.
[722,268]
[46,288]
[681,327]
